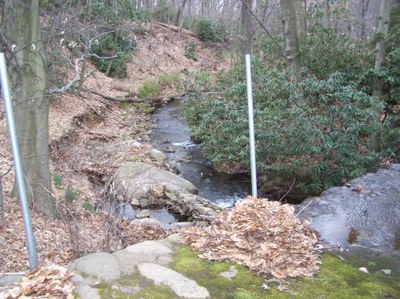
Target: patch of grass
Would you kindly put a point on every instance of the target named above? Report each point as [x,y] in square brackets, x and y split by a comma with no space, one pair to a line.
[150,88]
[71,194]
[87,205]
[190,51]
[57,180]
[170,79]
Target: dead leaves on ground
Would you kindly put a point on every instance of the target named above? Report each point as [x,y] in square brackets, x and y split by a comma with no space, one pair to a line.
[265,236]
[46,282]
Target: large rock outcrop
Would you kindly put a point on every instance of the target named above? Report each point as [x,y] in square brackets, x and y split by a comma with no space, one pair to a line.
[145,185]
[366,211]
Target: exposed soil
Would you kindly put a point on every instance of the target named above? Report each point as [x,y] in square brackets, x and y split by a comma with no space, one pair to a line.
[89,138]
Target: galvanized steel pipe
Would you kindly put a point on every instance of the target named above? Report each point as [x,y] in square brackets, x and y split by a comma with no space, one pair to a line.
[251,126]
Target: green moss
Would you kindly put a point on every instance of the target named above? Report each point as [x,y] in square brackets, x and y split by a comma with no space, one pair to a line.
[146,289]
[339,279]
[336,279]
[207,273]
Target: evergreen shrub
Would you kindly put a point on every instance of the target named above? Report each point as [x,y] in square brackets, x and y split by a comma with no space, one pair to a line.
[108,46]
[207,30]
[316,131]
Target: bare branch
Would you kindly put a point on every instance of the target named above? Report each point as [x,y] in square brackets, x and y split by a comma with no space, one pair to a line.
[74,80]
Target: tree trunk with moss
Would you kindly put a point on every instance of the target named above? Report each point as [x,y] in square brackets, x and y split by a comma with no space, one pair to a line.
[27,70]
[290,36]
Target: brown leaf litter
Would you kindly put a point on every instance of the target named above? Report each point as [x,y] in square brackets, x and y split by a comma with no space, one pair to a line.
[46,282]
[263,235]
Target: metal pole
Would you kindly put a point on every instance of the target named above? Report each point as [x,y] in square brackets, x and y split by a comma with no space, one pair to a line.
[251,127]
[19,175]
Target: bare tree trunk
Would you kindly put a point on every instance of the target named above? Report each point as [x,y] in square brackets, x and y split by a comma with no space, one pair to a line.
[364,9]
[380,48]
[205,8]
[302,17]
[27,66]
[179,13]
[290,36]
[246,27]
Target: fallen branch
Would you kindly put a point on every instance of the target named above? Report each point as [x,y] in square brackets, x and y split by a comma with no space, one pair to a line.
[177,29]
[103,134]
[135,100]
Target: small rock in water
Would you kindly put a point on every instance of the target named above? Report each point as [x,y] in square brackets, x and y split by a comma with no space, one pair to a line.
[157,155]
[387,271]
[363,269]
[143,214]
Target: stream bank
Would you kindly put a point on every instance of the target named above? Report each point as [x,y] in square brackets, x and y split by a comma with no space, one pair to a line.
[171,136]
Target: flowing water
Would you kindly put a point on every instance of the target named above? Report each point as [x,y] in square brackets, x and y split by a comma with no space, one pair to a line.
[171,136]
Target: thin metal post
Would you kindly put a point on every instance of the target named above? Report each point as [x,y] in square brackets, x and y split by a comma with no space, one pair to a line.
[251,126]
[19,175]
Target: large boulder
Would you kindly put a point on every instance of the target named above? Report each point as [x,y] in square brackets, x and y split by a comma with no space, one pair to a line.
[138,180]
[365,212]
[145,185]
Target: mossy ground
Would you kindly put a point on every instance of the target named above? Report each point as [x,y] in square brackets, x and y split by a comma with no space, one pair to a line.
[147,288]
[338,277]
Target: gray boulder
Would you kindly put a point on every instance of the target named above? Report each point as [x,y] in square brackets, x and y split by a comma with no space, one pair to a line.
[145,252]
[100,265]
[137,180]
[365,212]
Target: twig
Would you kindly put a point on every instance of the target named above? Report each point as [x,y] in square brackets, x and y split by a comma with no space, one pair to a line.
[303,208]
[12,273]
[290,189]
[8,171]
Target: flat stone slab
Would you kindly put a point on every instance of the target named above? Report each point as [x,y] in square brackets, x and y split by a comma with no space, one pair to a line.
[87,292]
[101,265]
[145,252]
[365,212]
[181,285]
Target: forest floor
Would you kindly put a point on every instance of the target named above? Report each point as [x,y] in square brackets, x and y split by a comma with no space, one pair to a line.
[90,137]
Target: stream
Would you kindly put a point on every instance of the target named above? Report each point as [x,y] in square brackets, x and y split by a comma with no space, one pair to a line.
[171,136]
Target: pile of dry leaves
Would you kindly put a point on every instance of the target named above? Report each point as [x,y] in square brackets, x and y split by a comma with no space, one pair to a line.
[46,282]
[265,236]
